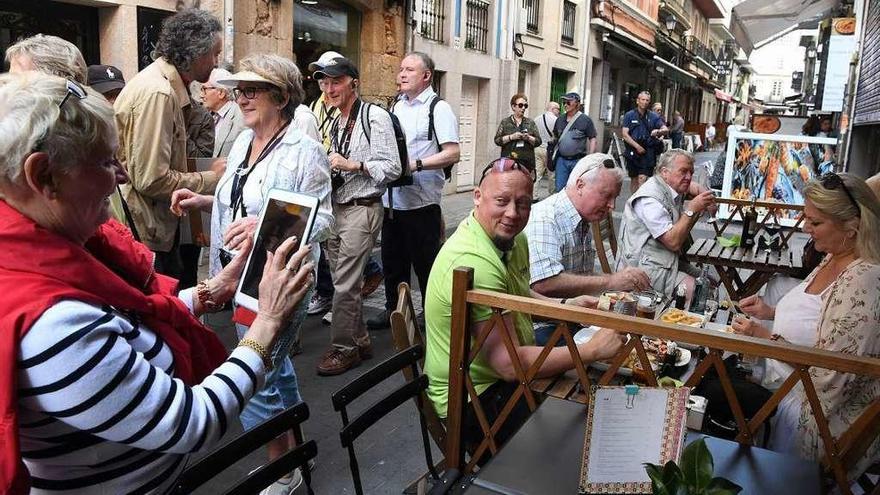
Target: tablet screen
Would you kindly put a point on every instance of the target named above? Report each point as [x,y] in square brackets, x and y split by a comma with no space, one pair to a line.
[280,221]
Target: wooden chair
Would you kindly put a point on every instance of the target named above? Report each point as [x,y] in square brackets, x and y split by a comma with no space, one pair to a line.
[840,452]
[235,450]
[412,389]
[602,230]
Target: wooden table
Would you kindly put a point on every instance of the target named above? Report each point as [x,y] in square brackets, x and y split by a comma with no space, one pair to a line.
[728,260]
[545,457]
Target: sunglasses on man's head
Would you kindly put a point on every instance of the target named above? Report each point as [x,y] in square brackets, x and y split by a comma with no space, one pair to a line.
[522,105]
[832,181]
[607,163]
[505,164]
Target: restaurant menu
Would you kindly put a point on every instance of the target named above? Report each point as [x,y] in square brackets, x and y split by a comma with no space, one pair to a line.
[625,430]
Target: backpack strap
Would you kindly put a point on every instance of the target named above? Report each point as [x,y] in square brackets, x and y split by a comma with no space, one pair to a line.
[432,132]
[365,120]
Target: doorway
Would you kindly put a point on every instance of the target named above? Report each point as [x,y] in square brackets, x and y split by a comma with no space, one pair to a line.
[467,132]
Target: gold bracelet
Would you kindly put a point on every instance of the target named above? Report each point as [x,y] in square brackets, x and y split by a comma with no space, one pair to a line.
[259,349]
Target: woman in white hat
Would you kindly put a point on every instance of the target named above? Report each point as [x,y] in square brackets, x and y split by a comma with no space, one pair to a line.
[272,153]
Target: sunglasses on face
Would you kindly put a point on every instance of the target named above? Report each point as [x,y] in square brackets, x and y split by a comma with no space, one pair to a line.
[521,105]
[249,93]
[832,181]
[505,164]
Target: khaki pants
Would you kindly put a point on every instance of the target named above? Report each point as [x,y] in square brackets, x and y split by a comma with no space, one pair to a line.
[542,170]
[357,228]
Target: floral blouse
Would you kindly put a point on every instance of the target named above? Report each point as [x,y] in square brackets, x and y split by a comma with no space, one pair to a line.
[849,323]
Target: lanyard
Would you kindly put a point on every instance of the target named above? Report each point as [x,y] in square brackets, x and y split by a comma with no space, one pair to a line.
[343,147]
[238,183]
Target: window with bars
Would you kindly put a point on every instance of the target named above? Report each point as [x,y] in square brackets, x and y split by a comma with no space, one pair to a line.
[569,11]
[532,7]
[432,16]
[477,26]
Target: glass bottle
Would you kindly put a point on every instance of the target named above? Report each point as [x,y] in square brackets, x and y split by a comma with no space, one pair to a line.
[701,292]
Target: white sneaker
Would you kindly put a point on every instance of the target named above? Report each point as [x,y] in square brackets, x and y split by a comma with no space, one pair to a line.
[285,486]
[319,304]
[328,318]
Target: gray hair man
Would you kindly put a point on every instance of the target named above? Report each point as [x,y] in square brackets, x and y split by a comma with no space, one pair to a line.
[546,122]
[561,253]
[153,138]
[47,54]
[413,224]
[656,224]
[228,120]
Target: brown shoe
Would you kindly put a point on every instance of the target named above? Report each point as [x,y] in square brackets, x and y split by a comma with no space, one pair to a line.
[338,361]
[371,283]
[365,351]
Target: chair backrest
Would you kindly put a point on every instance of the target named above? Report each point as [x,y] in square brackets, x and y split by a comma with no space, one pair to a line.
[407,333]
[412,389]
[235,450]
[604,230]
[841,451]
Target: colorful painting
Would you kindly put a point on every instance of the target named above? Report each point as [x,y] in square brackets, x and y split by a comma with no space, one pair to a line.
[773,167]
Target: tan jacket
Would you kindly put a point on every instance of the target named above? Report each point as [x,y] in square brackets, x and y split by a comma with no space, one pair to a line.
[152,147]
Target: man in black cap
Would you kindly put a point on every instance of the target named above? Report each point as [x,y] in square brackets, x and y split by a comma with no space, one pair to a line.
[574,138]
[363,159]
[106,80]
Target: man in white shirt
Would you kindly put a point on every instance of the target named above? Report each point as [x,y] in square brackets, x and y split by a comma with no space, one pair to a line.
[412,224]
[545,125]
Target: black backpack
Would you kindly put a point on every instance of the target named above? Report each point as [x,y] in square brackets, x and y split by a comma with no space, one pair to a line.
[432,132]
[405,178]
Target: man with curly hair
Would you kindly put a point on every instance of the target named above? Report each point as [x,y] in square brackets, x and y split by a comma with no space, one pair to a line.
[150,115]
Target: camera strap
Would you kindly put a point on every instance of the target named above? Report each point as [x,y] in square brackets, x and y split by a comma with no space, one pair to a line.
[342,145]
[241,177]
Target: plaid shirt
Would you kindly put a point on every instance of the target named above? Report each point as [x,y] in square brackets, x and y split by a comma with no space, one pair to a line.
[559,239]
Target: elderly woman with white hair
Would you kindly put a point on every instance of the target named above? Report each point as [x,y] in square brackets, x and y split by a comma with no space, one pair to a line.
[48,54]
[272,153]
[107,378]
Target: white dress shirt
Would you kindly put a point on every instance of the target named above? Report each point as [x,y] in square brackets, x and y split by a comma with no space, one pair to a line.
[546,132]
[656,218]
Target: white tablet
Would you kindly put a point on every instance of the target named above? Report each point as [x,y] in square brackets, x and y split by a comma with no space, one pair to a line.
[284,214]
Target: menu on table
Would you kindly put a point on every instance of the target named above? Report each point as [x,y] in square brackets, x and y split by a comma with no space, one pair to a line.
[626,430]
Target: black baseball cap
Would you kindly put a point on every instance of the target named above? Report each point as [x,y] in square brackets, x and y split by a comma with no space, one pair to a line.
[105,78]
[339,66]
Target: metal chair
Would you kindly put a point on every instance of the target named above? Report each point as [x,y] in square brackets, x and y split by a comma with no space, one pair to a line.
[235,450]
[412,389]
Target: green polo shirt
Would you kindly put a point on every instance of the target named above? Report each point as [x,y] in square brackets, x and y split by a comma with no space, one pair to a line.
[471,246]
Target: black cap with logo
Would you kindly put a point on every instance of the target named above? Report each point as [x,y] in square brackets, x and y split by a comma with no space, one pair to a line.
[105,78]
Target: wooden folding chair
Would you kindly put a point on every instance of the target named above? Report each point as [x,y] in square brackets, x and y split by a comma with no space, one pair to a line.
[235,450]
[604,230]
[354,428]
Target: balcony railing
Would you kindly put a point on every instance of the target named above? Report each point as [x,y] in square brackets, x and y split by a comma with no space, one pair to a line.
[477,26]
[532,8]
[698,49]
[433,19]
[569,13]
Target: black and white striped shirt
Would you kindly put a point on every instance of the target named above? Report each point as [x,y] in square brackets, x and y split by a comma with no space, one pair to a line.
[100,410]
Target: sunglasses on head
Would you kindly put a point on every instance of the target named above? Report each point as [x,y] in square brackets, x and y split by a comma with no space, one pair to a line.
[832,181]
[505,164]
[607,163]
[522,105]
[73,89]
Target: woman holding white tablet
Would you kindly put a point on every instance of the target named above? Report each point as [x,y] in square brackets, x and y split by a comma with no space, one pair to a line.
[271,153]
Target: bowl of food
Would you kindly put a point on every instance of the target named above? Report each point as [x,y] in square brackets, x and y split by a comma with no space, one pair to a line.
[681,317]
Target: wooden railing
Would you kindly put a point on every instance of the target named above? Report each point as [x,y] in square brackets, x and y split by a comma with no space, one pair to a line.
[840,452]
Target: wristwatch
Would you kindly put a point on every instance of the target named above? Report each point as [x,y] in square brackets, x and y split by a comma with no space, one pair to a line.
[418,165]
[689,213]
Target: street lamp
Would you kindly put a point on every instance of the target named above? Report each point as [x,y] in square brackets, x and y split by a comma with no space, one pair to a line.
[670,23]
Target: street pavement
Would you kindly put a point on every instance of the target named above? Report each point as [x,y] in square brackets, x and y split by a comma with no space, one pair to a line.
[390,455]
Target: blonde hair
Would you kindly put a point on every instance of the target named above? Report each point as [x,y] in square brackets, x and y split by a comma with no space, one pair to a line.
[864,219]
[52,55]
[31,119]
[283,74]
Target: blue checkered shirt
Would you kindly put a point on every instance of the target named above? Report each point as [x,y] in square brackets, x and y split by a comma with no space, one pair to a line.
[559,239]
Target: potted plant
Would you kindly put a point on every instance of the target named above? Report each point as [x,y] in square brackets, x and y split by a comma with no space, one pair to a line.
[692,477]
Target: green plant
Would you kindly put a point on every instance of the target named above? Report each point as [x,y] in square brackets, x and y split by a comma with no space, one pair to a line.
[692,477]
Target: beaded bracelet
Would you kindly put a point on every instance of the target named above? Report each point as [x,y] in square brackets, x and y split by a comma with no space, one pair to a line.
[206,298]
[259,349]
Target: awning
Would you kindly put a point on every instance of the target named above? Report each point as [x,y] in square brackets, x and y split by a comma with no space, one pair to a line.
[722,96]
[673,71]
[758,22]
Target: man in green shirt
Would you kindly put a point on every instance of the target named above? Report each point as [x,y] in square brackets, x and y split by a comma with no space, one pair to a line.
[490,240]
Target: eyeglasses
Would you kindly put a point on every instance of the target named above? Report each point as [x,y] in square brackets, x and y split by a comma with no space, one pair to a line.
[832,181]
[505,164]
[607,163]
[205,88]
[73,89]
[249,93]
[522,105]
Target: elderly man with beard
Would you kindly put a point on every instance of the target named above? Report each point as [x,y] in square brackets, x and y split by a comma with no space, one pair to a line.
[561,252]
[491,241]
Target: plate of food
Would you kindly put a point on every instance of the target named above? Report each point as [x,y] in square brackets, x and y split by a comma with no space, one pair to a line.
[681,317]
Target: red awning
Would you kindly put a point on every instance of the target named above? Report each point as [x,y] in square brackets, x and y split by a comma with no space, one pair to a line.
[721,95]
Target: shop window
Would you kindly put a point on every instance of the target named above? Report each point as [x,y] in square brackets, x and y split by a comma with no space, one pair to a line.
[75,23]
